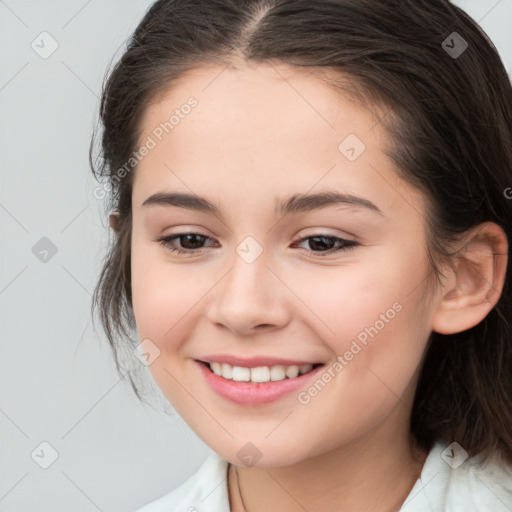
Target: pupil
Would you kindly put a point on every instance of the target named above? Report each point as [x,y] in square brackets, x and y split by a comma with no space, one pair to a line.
[320,246]
[192,236]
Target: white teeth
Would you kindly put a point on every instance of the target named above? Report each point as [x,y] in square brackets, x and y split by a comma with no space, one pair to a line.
[216,368]
[260,373]
[292,372]
[305,368]
[240,374]
[277,373]
[227,371]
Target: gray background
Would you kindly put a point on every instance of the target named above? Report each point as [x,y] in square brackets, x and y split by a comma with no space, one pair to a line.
[57,378]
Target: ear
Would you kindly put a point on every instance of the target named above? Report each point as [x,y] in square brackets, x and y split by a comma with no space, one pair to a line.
[114,221]
[476,281]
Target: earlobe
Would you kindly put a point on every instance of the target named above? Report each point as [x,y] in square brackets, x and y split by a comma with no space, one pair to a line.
[476,282]
[114,221]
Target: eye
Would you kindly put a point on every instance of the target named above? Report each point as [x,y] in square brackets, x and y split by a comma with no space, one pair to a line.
[322,245]
[191,241]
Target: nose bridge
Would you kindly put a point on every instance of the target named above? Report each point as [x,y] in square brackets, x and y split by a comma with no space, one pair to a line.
[247,282]
[249,294]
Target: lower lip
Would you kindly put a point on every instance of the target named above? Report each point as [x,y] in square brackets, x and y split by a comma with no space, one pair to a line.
[254,393]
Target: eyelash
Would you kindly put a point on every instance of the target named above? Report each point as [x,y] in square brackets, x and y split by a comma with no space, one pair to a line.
[345,244]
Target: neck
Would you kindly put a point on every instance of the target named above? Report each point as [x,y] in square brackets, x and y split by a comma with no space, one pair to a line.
[372,474]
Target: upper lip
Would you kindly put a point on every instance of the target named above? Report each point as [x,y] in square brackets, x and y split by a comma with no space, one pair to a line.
[255,361]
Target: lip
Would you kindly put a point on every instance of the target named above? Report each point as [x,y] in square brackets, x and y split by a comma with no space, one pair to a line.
[254,393]
[255,361]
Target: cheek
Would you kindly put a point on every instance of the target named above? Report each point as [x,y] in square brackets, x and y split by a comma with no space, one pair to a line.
[378,341]
[374,316]
[345,300]
[165,304]
[163,297]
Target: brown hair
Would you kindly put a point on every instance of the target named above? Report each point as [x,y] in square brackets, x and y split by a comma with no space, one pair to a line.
[450,121]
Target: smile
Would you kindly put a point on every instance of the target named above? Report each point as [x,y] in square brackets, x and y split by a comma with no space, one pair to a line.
[259,373]
[257,385]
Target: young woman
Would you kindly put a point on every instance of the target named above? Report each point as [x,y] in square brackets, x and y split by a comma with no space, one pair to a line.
[312,206]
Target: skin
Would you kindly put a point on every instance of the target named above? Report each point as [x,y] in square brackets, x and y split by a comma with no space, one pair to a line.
[258,134]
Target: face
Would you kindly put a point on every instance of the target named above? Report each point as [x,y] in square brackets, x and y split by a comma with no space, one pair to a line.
[265,282]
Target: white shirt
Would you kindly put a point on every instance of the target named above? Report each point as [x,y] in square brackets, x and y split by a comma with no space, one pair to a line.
[449,482]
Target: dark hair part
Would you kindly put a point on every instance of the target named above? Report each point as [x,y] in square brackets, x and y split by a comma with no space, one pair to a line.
[450,125]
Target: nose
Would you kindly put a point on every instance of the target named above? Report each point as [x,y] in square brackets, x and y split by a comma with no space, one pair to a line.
[249,298]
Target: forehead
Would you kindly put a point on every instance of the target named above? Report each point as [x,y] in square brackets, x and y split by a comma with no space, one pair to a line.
[260,100]
[256,129]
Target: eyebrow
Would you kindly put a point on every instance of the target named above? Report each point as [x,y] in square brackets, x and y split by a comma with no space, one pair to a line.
[296,203]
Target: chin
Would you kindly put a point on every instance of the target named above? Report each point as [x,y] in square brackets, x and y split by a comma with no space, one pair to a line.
[263,457]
